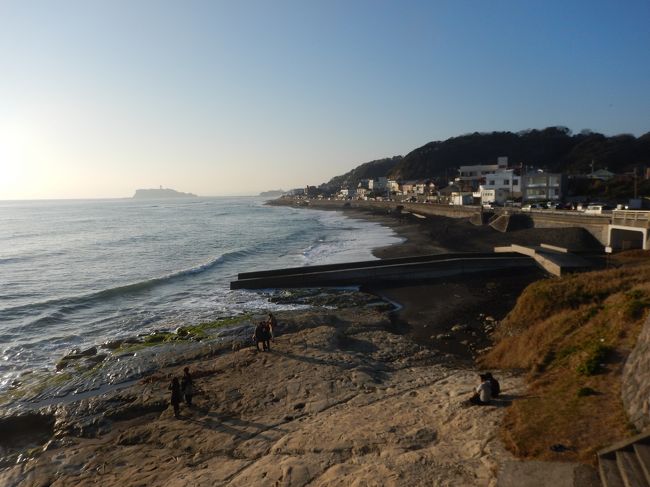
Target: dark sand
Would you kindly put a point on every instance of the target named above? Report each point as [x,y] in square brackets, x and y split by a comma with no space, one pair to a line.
[456,314]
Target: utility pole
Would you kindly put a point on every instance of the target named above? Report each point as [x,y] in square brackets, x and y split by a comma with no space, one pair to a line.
[635,185]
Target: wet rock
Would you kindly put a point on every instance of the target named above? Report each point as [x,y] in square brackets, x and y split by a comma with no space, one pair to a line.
[459,328]
[26,430]
[89,351]
[75,355]
[112,344]
[94,360]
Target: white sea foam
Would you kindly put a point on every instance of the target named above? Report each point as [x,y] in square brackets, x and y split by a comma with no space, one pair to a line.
[78,273]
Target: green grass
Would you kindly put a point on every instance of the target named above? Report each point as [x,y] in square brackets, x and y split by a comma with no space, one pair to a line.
[593,363]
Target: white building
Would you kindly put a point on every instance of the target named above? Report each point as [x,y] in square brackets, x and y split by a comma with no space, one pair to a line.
[475,174]
[543,186]
[499,195]
[503,179]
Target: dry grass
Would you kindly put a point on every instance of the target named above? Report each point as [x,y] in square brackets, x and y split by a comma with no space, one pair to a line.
[572,335]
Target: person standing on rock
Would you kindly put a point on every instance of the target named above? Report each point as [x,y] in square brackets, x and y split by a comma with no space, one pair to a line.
[261,335]
[272,322]
[266,336]
[175,398]
[187,386]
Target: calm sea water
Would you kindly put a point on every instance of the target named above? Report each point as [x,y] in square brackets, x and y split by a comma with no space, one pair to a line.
[76,273]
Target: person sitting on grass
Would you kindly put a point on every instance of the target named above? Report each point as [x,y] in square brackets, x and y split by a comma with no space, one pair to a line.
[483,393]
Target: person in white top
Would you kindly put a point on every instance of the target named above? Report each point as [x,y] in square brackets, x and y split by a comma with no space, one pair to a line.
[483,392]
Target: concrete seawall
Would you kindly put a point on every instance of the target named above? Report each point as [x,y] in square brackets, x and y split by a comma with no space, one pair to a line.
[597,225]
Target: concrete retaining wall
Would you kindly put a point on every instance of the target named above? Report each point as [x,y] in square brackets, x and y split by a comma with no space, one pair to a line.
[597,225]
[635,389]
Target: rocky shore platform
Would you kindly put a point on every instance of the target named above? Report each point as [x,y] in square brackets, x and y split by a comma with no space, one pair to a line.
[343,398]
[353,392]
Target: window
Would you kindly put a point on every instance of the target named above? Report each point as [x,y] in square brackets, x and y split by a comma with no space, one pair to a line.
[515,182]
[506,182]
[491,182]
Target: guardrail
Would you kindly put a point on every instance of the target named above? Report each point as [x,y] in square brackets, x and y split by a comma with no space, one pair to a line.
[631,218]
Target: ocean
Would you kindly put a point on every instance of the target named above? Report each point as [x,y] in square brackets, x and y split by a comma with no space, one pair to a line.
[79,272]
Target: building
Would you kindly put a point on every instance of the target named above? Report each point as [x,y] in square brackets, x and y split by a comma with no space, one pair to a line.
[393,186]
[379,184]
[498,195]
[503,179]
[602,174]
[543,186]
[474,175]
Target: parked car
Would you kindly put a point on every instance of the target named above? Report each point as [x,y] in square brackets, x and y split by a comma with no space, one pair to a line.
[531,206]
[597,209]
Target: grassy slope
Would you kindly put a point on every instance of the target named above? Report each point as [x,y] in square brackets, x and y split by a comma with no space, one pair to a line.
[572,335]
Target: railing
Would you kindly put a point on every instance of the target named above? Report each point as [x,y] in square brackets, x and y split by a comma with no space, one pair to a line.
[631,218]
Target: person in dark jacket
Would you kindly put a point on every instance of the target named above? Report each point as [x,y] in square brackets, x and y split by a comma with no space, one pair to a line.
[175,399]
[260,335]
[494,384]
[187,386]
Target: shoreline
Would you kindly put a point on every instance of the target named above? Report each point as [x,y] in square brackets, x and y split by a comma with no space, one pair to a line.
[339,374]
[454,315]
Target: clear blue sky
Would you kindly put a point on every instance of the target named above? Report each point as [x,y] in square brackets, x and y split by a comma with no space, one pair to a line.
[233,97]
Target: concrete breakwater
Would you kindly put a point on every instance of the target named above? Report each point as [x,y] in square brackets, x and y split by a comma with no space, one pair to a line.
[382,272]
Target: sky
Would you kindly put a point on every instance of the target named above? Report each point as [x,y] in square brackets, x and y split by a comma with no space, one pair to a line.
[99,98]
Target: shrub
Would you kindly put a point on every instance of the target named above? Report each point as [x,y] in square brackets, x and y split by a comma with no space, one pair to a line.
[592,365]
[586,391]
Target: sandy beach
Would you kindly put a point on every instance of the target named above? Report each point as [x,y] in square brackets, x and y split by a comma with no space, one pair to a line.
[347,396]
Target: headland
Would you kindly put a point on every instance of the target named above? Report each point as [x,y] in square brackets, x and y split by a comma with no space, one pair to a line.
[160,193]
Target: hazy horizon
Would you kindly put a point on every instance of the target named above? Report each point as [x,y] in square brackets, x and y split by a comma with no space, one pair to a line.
[234,98]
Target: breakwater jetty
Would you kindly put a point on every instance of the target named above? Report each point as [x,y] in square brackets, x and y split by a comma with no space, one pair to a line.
[378,272]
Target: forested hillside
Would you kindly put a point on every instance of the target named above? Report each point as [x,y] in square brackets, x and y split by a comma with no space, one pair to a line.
[554,149]
[369,170]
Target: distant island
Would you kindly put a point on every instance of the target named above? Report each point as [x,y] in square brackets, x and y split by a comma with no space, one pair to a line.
[272,193]
[160,193]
